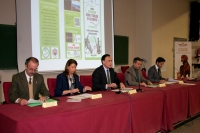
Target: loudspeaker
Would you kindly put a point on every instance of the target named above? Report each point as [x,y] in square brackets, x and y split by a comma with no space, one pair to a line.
[194,21]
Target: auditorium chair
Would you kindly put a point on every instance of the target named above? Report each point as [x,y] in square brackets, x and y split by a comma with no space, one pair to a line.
[6,87]
[51,82]
[121,77]
[124,68]
[144,74]
[86,80]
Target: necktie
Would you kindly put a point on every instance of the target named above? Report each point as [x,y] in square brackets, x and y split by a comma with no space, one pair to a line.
[108,77]
[159,73]
[30,87]
[29,80]
[137,77]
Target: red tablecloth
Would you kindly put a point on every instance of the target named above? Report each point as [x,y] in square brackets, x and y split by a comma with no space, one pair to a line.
[194,99]
[152,110]
[177,101]
[109,114]
[149,112]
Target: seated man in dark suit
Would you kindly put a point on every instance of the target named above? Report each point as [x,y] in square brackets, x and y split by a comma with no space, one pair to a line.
[133,75]
[28,84]
[104,77]
[154,72]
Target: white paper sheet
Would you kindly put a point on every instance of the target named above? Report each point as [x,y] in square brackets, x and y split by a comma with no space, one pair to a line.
[152,86]
[34,101]
[125,90]
[172,80]
[73,100]
[81,96]
[188,78]
[187,84]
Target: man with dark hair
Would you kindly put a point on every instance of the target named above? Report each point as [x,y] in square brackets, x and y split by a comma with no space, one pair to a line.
[133,75]
[154,72]
[28,84]
[104,77]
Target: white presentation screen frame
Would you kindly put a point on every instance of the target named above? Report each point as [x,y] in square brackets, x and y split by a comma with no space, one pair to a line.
[27,39]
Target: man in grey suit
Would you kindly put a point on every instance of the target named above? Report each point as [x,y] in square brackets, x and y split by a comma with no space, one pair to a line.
[133,75]
[28,84]
[154,72]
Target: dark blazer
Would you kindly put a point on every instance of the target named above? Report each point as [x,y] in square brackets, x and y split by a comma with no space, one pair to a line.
[19,87]
[62,84]
[153,75]
[99,79]
[130,77]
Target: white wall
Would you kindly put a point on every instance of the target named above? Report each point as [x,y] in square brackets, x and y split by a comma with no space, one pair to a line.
[7,16]
[170,18]
[124,24]
[7,12]
[143,30]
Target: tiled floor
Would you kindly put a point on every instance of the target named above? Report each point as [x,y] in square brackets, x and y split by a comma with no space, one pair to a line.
[190,127]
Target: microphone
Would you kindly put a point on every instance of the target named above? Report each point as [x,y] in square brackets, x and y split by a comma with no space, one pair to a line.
[139,89]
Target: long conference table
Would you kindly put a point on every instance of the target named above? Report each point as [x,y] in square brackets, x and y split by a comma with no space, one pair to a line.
[146,112]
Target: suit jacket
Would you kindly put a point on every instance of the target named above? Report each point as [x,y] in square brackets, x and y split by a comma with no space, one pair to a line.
[19,87]
[99,79]
[153,75]
[63,84]
[130,77]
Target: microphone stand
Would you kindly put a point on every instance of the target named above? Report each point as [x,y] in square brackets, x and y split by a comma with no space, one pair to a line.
[119,92]
[139,89]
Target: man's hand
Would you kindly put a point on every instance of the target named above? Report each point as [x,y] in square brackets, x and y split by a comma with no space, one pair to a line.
[122,86]
[43,99]
[149,83]
[22,101]
[113,85]
[143,84]
[87,88]
[162,81]
[75,90]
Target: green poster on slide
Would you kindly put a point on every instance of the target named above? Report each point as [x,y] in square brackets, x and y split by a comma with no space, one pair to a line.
[92,30]
[72,16]
[49,29]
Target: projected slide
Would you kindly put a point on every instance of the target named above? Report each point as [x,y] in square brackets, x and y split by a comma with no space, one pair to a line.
[82,29]
[57,30]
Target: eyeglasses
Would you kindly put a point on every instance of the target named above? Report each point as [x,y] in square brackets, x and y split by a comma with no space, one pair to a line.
[32,70]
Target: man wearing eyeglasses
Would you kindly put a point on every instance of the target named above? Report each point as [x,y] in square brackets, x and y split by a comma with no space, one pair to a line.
[28,84]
